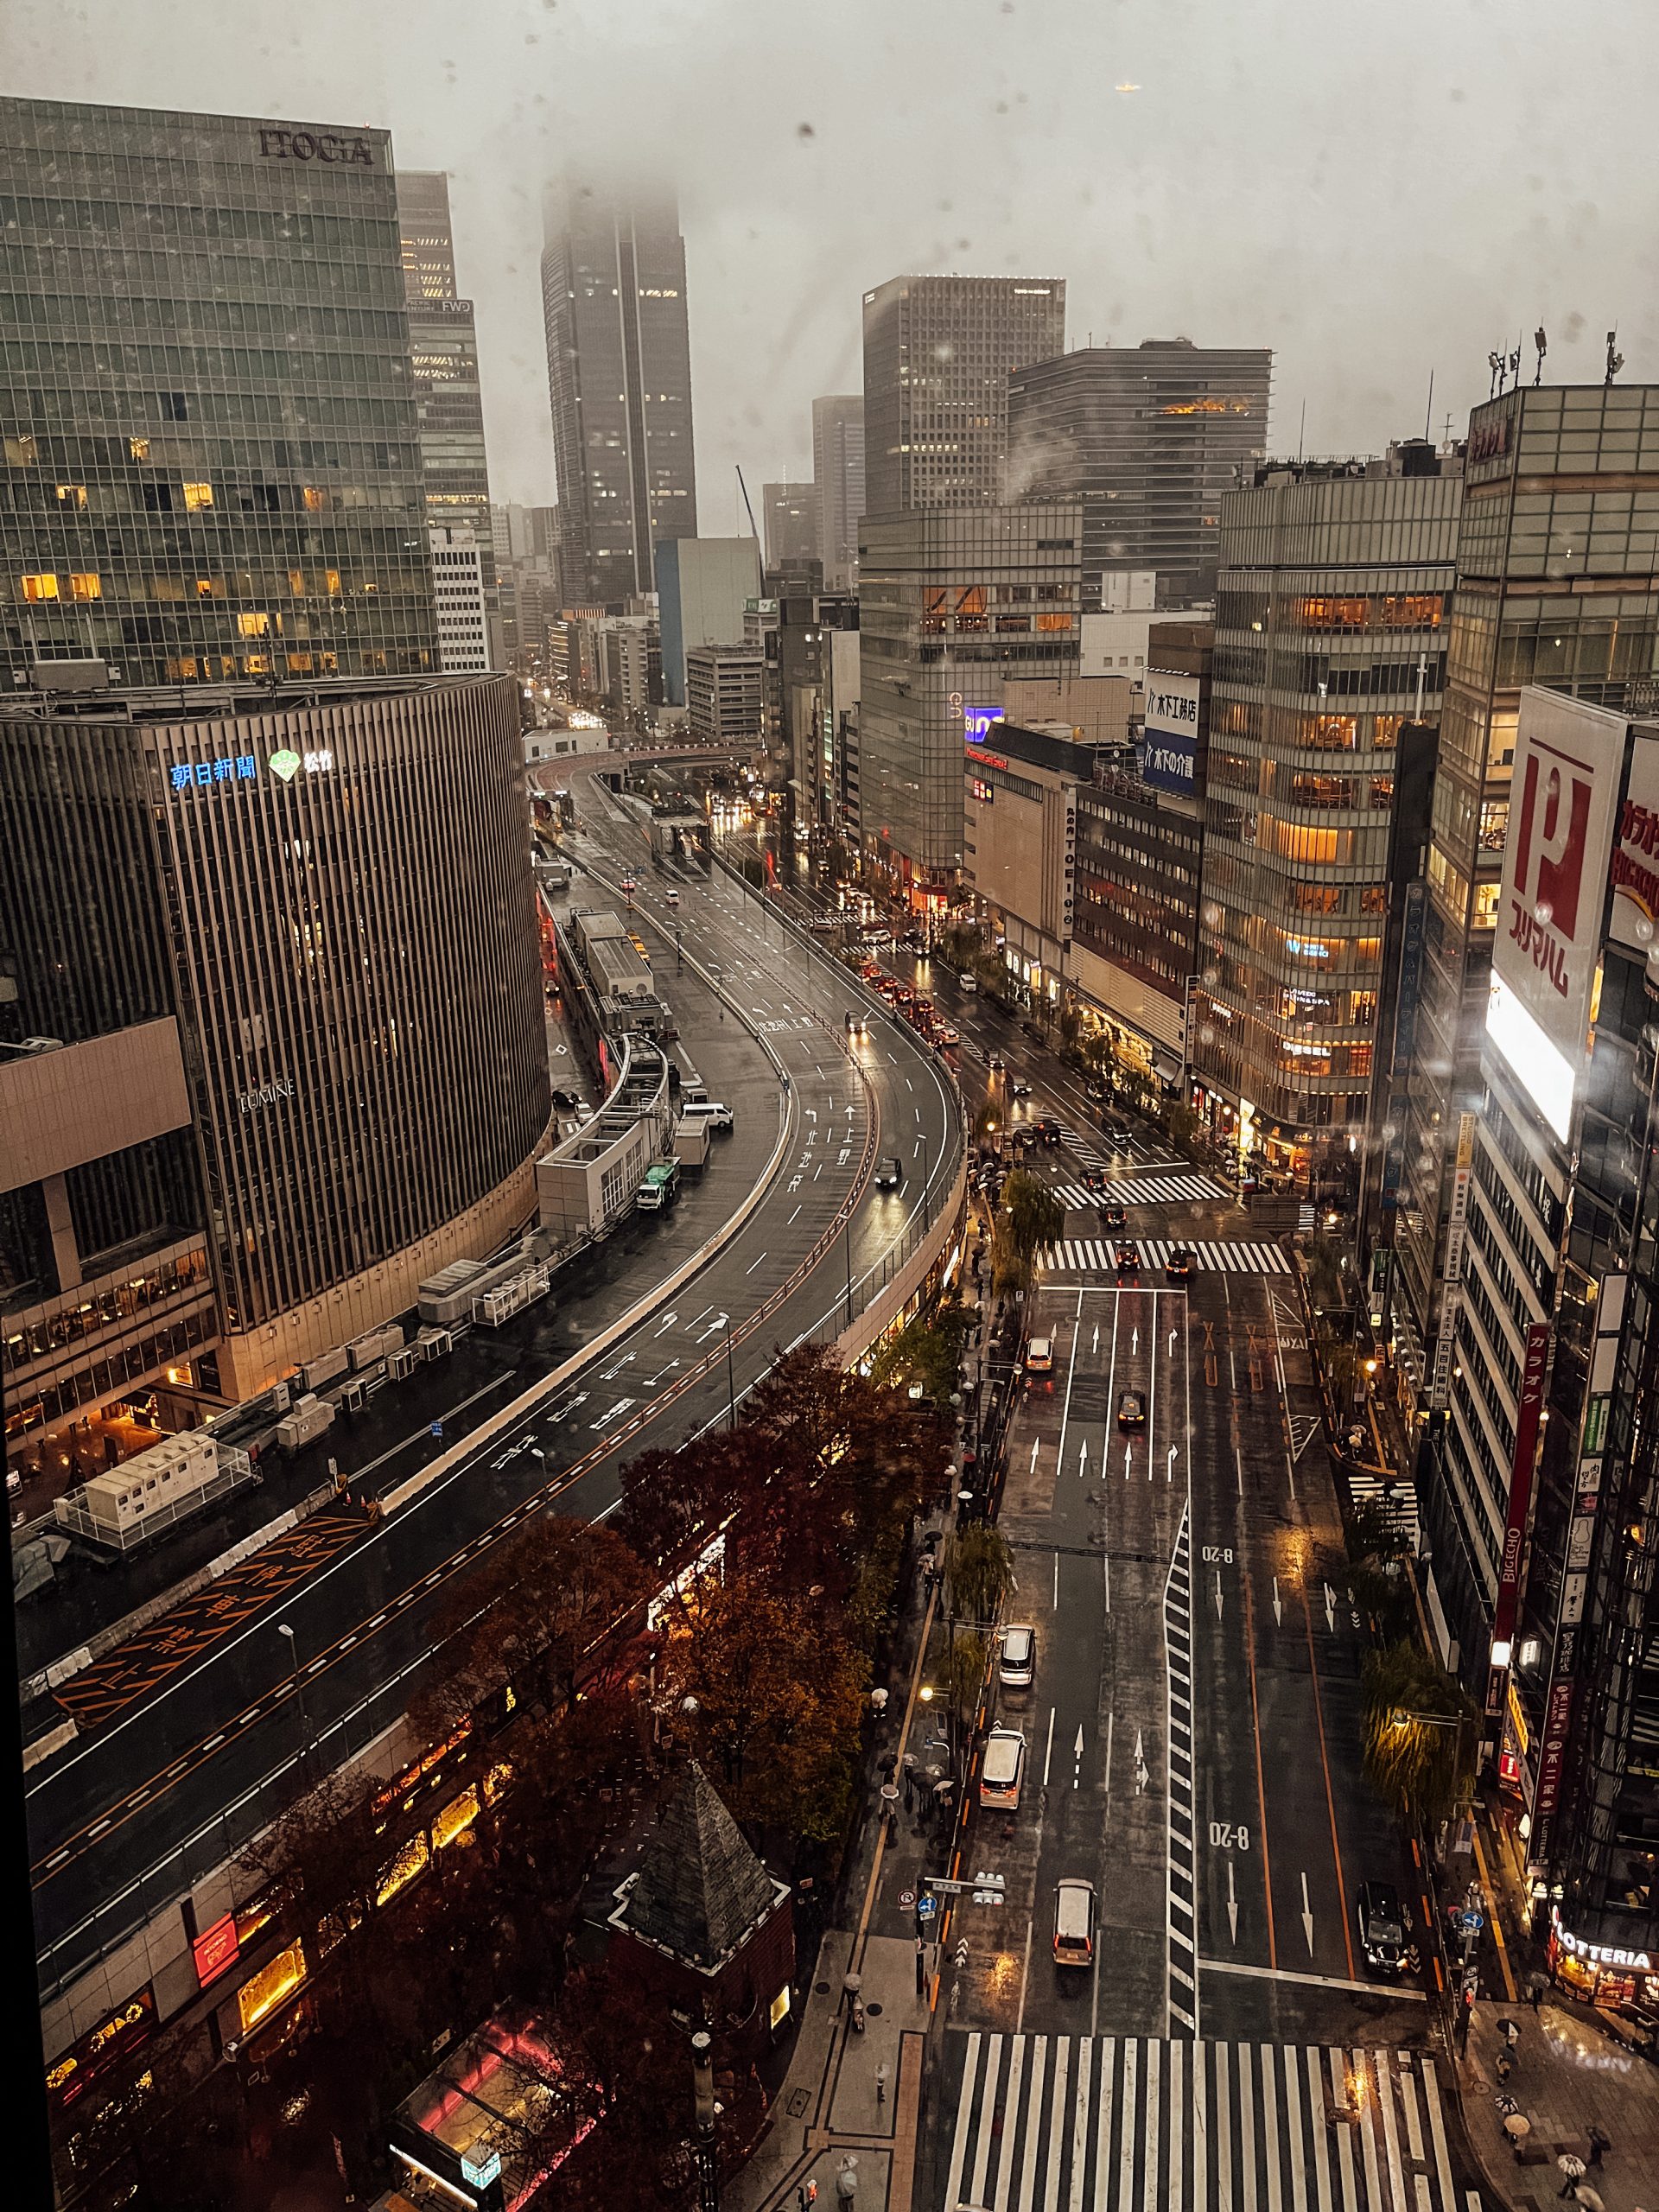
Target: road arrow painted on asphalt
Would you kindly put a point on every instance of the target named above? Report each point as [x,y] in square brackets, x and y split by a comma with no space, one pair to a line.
[1077,1757]
[1278,1610]
[1218,1600]
[669,1320]
[1036,1447]
[1083,1459]
[1171,1343]
[1330,1609]
[1127,1449]
[1232,1904]
[650,1382]
[1139,1766]
[1307,1918]
[1096,1345]
[1169,1464]
[1134,1340]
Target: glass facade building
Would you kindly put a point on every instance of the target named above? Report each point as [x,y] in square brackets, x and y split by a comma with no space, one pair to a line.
[1557,584]
[444,352]
[209,455]
[1333,599]
[951,606]
[1149,438]
[937,353]
[618,365]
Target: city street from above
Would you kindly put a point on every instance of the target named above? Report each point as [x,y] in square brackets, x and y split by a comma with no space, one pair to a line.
[829,1224]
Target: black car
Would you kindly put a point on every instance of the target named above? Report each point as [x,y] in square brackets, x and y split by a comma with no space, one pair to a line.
[1114,1217]
[565,1101]
[1127,1257]
[1179,1265]
[997,1064]
[1131,1410]
[1381,1921]
[1050,1128]
[889,1173]
[1019,1087]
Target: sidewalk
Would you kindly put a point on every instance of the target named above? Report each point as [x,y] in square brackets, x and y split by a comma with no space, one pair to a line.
[827,2110]
[1567,2077]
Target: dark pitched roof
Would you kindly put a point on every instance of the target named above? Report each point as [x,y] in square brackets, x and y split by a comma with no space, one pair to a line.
[701,1890]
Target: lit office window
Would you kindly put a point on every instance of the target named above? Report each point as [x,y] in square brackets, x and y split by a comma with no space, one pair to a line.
[197,496]
[86,583]
[42,585]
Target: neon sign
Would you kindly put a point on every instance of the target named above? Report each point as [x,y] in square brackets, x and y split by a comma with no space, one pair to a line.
[241,769]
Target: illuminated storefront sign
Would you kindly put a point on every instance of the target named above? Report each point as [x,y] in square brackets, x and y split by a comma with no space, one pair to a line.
[264,1992]
[1603,1955]
[1169,747]
[216,1948]
[124,2030]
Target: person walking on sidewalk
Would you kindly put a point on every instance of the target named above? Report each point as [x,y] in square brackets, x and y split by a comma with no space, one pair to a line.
[881,2083]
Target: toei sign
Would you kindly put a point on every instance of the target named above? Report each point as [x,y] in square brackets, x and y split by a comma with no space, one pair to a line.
[1564,796]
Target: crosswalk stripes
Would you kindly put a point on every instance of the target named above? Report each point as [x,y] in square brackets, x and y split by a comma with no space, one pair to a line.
[1181,1876]
[1397,1501]
[1137,1191]
[1138,2124]
[1236,1256]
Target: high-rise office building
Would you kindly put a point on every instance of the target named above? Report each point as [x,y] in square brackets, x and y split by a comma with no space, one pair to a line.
[449,397]
[952,607]
[428,246]
[704,585]
[1557,557]
[619,366]
[1334,591]
[838,475]
[789,517]
[211,454]
[1148,438]
[318,1091]
[938,355]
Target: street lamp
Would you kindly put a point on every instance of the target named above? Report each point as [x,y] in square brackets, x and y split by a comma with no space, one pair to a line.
[284,1630]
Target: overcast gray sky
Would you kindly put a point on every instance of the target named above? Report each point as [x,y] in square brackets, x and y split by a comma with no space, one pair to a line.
[1373,191]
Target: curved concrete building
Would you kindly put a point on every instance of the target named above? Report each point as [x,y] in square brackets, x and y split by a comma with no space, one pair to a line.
[333,1068]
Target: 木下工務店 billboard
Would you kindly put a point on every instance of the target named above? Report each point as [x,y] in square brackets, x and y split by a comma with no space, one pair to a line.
[1569,758]
[1169,747]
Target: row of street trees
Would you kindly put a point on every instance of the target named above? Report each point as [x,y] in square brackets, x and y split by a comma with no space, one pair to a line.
[733,1609]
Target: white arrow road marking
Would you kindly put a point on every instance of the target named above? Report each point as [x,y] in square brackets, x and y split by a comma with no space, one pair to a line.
[1278,1610]
[1083,1459]
[669,1320]
[1218,1593]
[1077,1757]
[1036,1447]
[1307,1918]
[1232,1904]
[1127,1449]
[1330,1609]
[1171,1343]
[1140,1771]
[605,1420]
[714,1326]
[1135,1339]
[1169,1470]
[1049,1752]
[650,1382]
[1094,1347]
[609,1374]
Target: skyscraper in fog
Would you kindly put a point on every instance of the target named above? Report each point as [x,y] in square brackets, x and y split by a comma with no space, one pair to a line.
[790,515]
[1148,437]
[619,376]
[938,352]
[838,475]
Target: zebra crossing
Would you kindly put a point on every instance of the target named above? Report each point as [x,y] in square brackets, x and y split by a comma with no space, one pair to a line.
[1226,1255]
[1138,1190]
[1397,1501]
[1129,2124]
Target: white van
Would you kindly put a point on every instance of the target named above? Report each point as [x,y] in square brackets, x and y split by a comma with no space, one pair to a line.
[1002,1771]
[713,1111]
[967,983]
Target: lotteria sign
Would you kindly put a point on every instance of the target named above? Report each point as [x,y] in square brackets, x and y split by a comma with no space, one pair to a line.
[1169,745]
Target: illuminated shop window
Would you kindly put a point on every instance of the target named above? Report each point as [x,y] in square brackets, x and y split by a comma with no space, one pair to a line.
[456,1817]
[258,1997]
[401,1870]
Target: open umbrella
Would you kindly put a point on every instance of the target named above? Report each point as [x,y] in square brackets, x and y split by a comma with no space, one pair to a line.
[1516,2126]
[1571,2166]
[1589,2198]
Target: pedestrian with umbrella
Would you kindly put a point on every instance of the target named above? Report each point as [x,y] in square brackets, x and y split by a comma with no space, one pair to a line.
[1589,2198]
[1573,2168]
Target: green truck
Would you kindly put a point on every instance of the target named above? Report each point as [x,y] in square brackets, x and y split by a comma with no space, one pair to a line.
[660,1188]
